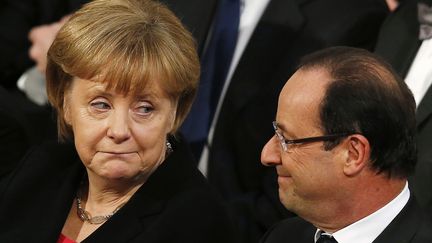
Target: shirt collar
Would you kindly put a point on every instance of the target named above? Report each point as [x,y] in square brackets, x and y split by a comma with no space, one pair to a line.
[369,228]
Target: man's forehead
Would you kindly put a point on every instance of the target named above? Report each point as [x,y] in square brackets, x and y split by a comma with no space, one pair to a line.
[305,86]
[300,98]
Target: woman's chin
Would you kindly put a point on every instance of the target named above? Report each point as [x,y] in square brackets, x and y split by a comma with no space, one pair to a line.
[116,170]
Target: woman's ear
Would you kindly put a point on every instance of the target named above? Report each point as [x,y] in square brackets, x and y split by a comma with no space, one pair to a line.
[358,154]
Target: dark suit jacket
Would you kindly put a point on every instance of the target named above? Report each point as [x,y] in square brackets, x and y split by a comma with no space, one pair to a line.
[410,226]
[287,30]
[174,205]
[398,43]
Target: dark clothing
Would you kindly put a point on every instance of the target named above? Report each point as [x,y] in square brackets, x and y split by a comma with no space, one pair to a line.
[288,30]
[16,20]
[18,17]
[174,205]
[398,43]
[196,15]
[22,124]
[410,225]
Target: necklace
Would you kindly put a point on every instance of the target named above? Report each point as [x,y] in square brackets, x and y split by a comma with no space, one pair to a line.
[86,216]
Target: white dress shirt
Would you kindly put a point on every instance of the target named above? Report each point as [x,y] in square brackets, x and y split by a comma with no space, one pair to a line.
[419,77]
[369,228]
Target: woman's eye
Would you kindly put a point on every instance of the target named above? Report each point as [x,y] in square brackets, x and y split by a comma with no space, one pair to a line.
[100,105]
[144,109]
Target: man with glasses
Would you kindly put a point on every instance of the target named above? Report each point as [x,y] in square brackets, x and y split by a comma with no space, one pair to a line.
[343,149]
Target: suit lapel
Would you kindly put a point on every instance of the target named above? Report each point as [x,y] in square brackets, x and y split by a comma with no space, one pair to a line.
[398,44]
[65,195]
[406,224]
[139,213]
[296,229]
[398,40]
[130,221]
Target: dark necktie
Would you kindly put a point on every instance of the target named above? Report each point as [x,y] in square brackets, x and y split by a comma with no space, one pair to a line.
[215,64]
[326,239]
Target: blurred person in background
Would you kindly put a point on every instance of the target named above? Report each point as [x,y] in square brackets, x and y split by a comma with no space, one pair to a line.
[405,41]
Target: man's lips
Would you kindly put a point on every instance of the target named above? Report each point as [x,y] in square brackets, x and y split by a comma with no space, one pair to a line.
[282,173]
[283,179]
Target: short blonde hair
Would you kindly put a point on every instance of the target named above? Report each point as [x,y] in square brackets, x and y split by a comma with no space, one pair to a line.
[127,44]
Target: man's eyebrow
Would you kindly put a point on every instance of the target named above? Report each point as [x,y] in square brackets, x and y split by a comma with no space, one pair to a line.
[285,132]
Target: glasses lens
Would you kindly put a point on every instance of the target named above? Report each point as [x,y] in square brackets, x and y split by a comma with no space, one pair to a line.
[280,137]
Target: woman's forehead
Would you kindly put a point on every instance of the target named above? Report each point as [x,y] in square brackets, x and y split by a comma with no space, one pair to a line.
[145,89]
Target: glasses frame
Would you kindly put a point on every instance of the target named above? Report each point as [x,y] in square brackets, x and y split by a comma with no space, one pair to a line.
[286,142]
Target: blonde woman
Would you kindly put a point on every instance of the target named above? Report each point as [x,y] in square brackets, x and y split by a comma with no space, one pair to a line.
[121,75]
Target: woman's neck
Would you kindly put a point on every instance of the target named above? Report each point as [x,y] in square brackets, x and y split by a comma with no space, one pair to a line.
[103,196]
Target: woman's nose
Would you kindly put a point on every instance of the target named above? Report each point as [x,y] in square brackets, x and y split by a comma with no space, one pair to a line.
[119,129]
[270,154]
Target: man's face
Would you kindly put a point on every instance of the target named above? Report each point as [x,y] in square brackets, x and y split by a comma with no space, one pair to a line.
[307,173]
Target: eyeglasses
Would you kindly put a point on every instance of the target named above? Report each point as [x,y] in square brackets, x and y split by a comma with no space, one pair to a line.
[286,142]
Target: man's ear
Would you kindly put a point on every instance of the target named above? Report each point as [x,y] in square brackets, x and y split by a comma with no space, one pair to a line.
[358,154]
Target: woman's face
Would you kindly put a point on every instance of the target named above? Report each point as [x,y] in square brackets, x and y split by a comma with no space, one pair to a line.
[119,136]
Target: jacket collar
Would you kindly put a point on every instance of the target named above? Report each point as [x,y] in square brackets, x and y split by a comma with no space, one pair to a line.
[409,219]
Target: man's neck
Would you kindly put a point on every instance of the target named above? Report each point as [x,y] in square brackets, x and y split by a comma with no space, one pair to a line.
[366,197]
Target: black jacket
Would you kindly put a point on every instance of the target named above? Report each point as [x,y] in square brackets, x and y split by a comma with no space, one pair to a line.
[174,205]
[411,225]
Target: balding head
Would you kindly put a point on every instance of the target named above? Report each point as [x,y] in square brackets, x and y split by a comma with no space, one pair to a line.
[366,96]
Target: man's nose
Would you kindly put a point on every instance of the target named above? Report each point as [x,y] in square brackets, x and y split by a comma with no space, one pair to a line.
[270,154]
